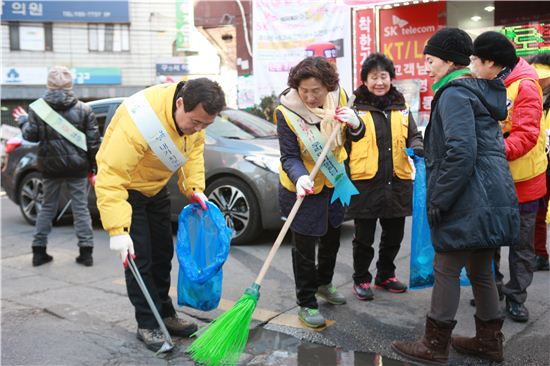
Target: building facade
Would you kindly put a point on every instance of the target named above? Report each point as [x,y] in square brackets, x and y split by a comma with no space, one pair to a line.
[114,48]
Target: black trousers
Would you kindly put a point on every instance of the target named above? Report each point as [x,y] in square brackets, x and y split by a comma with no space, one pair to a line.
[363,252]
[151,232]
[308,275]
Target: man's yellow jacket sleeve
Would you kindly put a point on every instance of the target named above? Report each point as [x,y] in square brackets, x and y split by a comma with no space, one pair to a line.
[193,181]
[116,160]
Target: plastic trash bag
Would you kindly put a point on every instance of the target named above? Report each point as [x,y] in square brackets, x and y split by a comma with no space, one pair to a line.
[202,248]
[422,252]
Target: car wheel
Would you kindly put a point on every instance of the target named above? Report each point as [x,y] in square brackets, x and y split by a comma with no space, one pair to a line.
[31,196]
[239,206]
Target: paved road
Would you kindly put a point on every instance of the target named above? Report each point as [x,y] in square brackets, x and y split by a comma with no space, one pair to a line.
[64,314]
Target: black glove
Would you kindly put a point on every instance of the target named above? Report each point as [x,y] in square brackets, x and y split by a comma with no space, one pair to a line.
[418,151]
[434,216]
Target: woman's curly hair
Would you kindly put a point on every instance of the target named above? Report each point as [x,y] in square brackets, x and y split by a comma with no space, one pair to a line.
[314,67]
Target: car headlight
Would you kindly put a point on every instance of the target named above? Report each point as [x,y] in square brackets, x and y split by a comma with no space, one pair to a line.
[267,162]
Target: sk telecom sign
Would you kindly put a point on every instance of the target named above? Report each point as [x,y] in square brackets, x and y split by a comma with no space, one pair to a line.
[403,33]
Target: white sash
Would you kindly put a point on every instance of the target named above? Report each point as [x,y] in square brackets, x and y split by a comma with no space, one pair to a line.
[153,131]
[58,123]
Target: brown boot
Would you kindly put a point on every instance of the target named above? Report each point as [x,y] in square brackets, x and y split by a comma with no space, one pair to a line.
[486,344]
[433,348]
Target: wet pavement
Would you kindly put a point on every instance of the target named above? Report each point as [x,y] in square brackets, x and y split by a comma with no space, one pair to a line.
[65,314]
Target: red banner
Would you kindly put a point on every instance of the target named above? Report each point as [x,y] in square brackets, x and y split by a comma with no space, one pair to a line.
[403,33]
[364,41]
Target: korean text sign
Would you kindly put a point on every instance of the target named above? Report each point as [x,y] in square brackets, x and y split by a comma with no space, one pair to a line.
[404,32]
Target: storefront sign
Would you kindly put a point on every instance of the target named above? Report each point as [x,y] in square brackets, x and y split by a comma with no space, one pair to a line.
[98,11]
[529,39]
[364,40]
[403,33]
[184,24]
[24,75]
[172,69]
[282,30]
[96,75]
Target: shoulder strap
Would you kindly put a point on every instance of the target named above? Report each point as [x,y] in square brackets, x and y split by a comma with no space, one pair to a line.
[59,124]
[153,131]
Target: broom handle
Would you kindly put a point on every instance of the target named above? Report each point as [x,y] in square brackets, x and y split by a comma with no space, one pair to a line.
[298,203]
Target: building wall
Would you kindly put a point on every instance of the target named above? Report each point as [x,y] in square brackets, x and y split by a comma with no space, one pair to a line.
[151,34]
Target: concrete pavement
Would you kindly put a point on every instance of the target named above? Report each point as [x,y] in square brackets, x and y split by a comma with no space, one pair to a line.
[65,314]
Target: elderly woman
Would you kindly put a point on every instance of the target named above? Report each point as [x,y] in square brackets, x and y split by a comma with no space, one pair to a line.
[471,200]
[380,169]
[311,108]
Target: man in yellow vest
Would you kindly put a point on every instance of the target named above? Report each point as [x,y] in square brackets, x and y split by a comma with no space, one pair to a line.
[153,134]
[494,56]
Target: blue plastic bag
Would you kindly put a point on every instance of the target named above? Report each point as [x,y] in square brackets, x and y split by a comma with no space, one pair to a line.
[422,252]
[202,248]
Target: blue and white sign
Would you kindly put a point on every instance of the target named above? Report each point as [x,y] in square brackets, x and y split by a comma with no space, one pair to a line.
[172,69]
[97,11]
[24,75]
[96,75]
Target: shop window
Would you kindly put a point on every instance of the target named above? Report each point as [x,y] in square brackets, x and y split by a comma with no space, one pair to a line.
[31,36]
[108,37]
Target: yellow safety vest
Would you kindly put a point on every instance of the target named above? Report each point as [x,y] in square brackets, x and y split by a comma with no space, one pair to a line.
[320,180]
[364,154]
[534,162]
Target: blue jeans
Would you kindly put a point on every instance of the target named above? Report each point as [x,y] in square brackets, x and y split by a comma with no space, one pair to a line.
[78,192]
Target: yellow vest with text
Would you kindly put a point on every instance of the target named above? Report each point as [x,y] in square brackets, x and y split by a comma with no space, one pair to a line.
[363,158]
[320,180]
[534,162]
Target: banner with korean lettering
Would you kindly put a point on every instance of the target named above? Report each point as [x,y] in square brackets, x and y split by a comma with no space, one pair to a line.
[184,24]
[364,41]
[404,31]
[282,29]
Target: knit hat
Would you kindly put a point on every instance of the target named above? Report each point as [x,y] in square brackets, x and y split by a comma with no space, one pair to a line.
[59,77]
[450,44]
[495,47]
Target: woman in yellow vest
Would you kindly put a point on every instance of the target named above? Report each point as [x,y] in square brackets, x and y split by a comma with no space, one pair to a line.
[494,57]
[541,63]
[311,108]
[382,173]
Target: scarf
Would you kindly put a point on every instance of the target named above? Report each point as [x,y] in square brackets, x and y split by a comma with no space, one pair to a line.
[323,116]
[450,76]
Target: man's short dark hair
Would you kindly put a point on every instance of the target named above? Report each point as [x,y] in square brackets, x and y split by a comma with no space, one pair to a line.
[204,91]
[314,67]
[377,61]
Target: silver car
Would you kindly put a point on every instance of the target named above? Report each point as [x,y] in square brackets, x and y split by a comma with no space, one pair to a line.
[241,163]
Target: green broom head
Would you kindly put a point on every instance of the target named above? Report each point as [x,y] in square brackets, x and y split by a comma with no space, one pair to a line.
[223,341]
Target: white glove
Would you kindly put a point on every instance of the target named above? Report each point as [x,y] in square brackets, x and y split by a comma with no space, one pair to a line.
[200,198]
[304,186]
[123,244]
[347,115]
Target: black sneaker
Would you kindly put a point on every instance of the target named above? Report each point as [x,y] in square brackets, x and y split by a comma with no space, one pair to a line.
[542,264]
[179,327]
[152,338]
[517,312]
[391,284]
[363,291]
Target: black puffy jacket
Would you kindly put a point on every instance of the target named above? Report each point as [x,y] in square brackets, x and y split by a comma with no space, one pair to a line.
[467,175]
[57,157]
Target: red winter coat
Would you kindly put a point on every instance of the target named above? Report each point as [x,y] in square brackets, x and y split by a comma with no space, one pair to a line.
[525,128]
